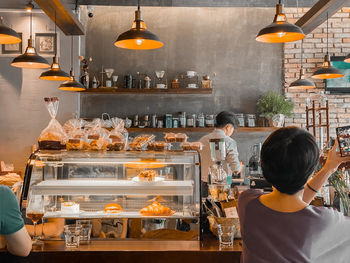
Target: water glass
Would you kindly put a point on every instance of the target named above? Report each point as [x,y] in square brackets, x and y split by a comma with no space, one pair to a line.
[226,234]
[72,235]
[85,233]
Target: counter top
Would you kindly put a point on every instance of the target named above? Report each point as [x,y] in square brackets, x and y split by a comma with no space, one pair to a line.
[132,251]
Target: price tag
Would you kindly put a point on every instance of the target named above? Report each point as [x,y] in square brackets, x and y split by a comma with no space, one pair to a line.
[231,212]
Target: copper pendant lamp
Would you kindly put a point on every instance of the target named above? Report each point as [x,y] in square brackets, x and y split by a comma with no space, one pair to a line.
[71,84]
[30,59]
[55,73]
[138,37]
[327,71]
[280,31]
[8,35]
[302,82]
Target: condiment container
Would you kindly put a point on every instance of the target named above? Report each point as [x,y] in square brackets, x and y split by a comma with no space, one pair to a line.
[175,84]
[183,119]
[240,117]
[251,120]
[168,120]
[209,120]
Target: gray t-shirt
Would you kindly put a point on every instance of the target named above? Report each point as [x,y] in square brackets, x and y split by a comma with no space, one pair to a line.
[313,234]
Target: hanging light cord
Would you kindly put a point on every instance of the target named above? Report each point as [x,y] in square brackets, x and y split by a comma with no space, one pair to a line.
[71,55]
[55,36]
[31,25]
[327,33]
[138,5]
[301,41]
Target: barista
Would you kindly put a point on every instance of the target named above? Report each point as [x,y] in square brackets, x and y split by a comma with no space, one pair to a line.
[226,124]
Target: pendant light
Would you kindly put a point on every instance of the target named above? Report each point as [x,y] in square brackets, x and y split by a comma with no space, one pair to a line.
[138,37]
[302,82]
[55,73]
[280,30]
[8,35]
[327,71]
[71,84]
[30,59]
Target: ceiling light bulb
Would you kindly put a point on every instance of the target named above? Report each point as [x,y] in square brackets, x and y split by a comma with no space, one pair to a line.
[29,7]
[281,34]
[139,41]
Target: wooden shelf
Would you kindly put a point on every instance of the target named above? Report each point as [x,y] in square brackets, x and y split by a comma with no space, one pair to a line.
[112,90]
[204,130]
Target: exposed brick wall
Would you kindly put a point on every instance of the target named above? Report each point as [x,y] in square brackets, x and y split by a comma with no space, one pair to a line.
[314,45]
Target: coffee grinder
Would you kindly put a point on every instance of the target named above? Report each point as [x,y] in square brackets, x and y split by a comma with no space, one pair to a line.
[255,177]
[219,189]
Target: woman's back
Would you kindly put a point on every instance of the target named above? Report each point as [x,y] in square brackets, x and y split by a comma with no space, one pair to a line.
[313,234]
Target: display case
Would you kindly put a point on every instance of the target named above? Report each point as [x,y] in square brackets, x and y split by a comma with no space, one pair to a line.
[89,181]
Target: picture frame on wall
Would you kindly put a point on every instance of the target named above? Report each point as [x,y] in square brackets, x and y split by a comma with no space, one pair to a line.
[12,49]
[339,85]
[46,44]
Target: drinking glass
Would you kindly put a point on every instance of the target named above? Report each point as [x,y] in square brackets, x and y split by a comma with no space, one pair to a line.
[226,234]
[85,233]
[35,212]
[72,235]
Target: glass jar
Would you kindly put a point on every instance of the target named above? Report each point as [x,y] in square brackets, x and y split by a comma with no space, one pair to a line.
[183,119]
[209,120]
[201,120]
[191,120]
[168,120]
[240,117]
[251,120]
[175,122]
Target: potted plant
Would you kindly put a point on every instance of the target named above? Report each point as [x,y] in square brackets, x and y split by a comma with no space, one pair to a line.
[275,107]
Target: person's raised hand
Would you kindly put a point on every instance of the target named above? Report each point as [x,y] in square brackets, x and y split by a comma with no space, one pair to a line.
[334,159]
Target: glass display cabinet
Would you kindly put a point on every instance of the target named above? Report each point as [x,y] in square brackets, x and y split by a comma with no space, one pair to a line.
[159,190]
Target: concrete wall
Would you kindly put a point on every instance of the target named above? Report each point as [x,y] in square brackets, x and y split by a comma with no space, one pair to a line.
[205,40]
[22,111]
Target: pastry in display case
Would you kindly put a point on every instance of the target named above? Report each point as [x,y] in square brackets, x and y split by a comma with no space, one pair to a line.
[160,190]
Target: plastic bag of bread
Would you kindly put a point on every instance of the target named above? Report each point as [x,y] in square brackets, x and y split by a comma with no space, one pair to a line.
[175,137]
[191,146]
[118,137]
[53,137]
[74,124]
[141,142]
[76,135]
[97,137]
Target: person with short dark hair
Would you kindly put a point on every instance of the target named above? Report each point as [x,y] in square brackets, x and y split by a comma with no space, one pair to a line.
[226,124]
[281,226]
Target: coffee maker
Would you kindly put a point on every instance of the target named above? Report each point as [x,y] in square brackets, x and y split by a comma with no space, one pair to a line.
[255,176]
[219,189]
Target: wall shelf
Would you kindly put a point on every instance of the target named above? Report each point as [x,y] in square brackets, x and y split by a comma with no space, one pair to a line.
[112,90]
[204,130]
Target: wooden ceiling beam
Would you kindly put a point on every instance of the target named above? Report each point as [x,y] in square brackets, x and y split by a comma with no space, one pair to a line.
[66,20]
[318,14]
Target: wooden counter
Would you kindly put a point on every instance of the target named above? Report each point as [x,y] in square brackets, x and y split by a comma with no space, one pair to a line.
[132,251]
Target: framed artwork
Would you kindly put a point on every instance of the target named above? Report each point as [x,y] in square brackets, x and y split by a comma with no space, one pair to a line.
[339,85]
[45,44]
[12,49]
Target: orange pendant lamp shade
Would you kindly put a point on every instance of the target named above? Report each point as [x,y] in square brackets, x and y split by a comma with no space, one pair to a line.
[302,82]
[71,84]
[8,35]
[138,37]
[30,59]
[55,73]
[327,71]
[280,31]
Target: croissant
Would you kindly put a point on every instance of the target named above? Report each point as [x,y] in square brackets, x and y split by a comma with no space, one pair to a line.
[156,209]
